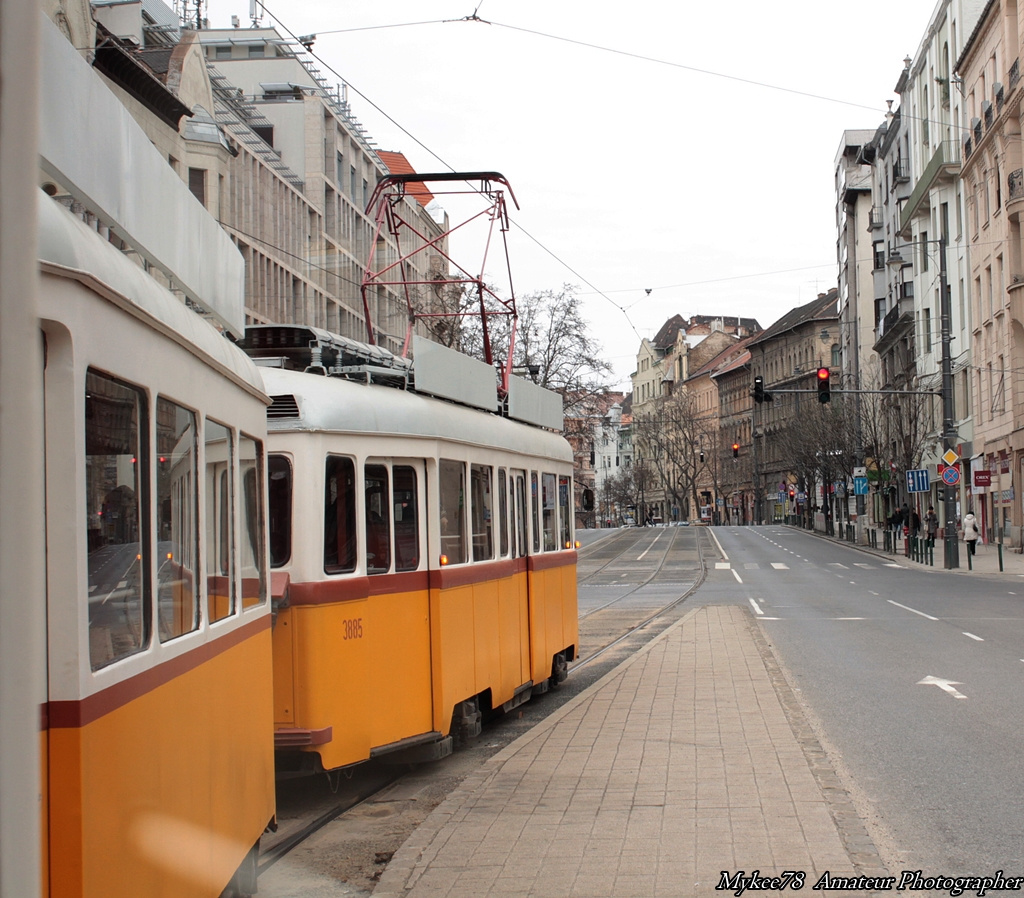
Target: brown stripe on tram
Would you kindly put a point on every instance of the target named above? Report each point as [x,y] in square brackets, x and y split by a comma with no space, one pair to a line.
[71,714]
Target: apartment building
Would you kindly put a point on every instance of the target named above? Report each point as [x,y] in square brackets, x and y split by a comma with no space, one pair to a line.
[989,74]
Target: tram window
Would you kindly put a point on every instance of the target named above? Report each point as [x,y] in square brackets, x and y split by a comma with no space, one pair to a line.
[502,513]
[407,519]
[254,583]
[520,514]
[177,579]
[452,482]
[564,512]
[280,510]
[118,581]
[378,523]
[548,495]
[220,581]
[339,516]
[480,477]
[535,506]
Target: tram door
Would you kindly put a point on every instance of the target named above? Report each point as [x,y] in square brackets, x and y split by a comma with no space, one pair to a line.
[399,608]
[517,514]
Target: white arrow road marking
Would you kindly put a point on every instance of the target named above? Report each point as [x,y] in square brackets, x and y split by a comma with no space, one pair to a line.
[945,685]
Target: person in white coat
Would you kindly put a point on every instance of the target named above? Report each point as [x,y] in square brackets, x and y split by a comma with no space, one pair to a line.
[971,532]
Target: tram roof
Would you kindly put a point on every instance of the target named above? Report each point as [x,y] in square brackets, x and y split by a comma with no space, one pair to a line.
[335,405]
[69,247]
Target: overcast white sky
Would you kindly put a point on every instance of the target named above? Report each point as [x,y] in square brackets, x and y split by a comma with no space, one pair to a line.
[661,156]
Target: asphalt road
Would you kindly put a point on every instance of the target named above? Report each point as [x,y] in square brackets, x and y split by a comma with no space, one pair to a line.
[915,678]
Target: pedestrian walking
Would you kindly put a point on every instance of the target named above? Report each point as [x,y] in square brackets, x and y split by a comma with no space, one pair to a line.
[971,533]
[915,524]
[931,525]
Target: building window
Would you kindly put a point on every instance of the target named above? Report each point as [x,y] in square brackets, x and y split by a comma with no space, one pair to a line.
[197,183]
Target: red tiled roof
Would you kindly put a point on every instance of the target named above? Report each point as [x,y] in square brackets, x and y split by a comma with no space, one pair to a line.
[398,165]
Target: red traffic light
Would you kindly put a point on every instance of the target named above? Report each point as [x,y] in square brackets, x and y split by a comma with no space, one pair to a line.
[824,389]
[735,450]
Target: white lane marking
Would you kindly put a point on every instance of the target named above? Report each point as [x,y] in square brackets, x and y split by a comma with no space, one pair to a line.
[874,593]
[648,549]
[779,566]
[838,564]
[972,636]
[905,608]
[722,565]
[867,567]
[736,575]
[717,543]
[754,606]
[944,685]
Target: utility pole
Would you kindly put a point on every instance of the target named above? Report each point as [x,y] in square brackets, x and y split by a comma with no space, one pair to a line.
[951,554]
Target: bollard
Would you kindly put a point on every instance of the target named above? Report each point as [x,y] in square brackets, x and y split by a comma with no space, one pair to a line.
[1000,558]
[970,557]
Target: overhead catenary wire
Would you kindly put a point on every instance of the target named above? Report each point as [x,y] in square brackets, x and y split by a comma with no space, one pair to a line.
[474,17]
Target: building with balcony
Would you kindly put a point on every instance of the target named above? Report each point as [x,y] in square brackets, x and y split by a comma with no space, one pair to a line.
[993,161]
[931,252]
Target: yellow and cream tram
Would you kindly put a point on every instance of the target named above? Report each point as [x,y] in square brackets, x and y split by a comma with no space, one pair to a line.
[422,548]
[158,767]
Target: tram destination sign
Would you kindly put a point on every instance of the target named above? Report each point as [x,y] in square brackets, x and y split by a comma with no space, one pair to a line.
[917,481]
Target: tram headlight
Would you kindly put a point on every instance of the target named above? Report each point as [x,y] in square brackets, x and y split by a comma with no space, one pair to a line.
[444,560]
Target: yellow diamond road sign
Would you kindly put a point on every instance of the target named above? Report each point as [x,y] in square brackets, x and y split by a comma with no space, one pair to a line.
[950,457]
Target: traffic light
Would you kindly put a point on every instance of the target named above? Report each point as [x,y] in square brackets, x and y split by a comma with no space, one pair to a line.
[824,390]
[792,494]
[759,391]
[702,455]
[735,450]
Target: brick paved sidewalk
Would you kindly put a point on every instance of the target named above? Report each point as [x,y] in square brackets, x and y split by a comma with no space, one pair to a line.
[681,763]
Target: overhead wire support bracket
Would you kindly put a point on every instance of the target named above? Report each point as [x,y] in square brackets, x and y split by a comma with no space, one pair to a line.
[392,215]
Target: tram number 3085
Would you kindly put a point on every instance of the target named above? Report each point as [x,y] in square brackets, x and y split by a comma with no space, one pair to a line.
[353,628]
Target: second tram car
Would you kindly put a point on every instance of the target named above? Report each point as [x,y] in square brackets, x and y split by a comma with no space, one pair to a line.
[422,551]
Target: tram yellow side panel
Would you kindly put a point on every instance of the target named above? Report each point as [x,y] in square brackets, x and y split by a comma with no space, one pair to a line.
[44,811]
[132,812]
[453,628]
[554,616]
[284,668]
[513,631]
[363,669]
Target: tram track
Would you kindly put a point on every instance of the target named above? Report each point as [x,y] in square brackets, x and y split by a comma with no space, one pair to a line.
[647,616]
[282,846]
